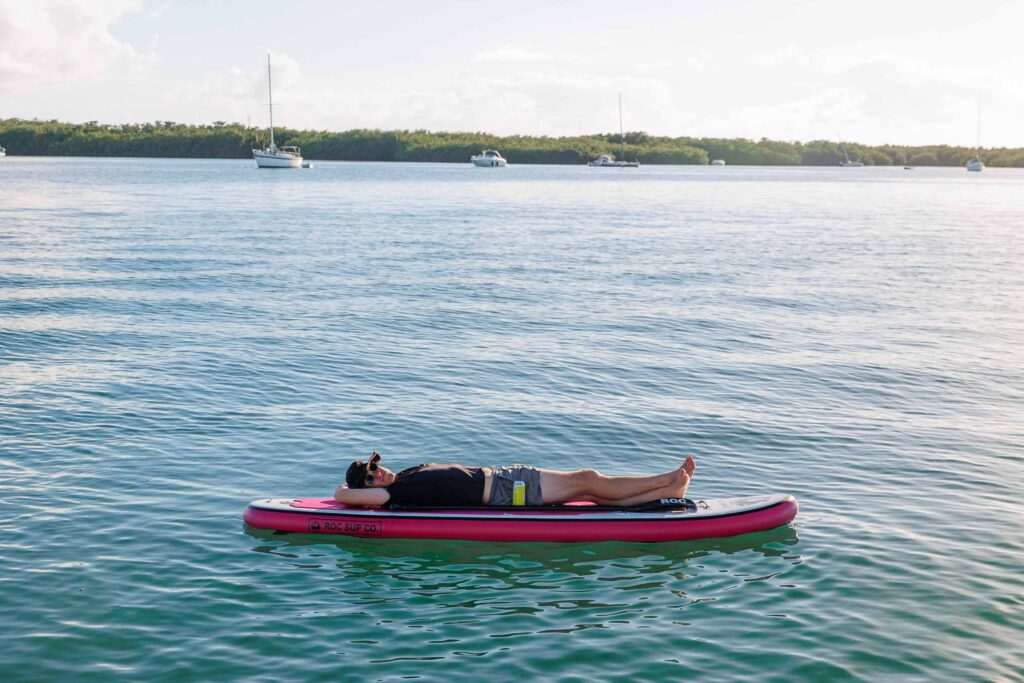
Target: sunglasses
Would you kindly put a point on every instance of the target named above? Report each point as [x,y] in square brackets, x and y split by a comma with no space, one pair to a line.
[372,467]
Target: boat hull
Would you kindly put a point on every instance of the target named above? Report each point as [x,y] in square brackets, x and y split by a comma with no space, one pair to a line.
[276,161]
[564,524]
[490,163]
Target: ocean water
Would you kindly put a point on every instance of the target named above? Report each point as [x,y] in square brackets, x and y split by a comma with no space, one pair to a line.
[180,337]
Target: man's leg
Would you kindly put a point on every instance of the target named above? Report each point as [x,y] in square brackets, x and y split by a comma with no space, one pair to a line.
[590,485]
[673,491]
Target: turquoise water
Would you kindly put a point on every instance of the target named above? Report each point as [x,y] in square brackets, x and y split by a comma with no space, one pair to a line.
[180,337]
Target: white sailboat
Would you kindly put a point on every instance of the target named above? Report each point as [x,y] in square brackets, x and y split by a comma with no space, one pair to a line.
[273,156]
[846,162]
[606,160]
[976,165]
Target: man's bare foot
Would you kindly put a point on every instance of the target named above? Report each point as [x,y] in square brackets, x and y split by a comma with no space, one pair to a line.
[689,466]
[685,473]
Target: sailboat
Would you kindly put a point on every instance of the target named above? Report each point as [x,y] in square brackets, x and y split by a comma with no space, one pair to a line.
[606,160]
[273,156]
[976,163]
[847,162]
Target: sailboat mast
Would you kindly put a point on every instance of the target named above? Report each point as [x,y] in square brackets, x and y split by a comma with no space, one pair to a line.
[977,148]
[270,95]
[622,136]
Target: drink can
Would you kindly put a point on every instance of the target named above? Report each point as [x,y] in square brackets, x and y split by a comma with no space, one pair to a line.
[519,493]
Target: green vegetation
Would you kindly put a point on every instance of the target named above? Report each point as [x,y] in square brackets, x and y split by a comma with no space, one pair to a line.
[235,141]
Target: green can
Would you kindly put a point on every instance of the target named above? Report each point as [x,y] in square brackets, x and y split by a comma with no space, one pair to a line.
[519,493]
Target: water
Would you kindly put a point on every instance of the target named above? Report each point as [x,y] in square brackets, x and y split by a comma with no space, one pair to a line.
[180,337]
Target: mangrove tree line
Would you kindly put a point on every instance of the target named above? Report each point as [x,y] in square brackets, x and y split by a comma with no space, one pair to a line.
[234,141]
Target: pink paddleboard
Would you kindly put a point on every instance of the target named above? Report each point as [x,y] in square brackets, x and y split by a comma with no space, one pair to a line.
[568,523]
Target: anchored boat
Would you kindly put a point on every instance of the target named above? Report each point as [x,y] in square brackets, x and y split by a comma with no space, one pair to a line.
[489,158]
[606,159]
[273,156]
[976,165]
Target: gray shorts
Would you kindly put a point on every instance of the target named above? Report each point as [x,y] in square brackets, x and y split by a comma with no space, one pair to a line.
[502,479]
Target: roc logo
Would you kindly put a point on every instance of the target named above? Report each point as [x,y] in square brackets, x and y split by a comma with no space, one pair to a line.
[673,501]
[331,526]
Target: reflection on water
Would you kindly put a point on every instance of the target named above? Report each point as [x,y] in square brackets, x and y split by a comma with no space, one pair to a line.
[765,543]
[439,566]
[471,599]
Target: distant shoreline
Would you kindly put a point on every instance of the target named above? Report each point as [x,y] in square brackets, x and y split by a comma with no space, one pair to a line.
[221,140]
[248,160]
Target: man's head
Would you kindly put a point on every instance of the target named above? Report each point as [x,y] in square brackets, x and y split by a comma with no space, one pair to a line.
[366,474]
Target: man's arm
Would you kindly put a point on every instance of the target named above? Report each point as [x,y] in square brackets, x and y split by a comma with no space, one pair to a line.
[371,498]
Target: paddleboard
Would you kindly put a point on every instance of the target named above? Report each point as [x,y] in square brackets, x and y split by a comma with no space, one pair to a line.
[666,520]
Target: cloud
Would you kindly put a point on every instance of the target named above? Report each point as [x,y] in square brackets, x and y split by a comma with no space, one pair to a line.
[525,53]
[61,41]
[872,95]
[888,67]
[246,87]
[831,112]
[557,100]
[790,54]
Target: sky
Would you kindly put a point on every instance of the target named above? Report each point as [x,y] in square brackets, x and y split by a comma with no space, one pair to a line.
[898,71]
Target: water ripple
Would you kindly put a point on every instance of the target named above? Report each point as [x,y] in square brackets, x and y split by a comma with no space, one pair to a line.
[203,334]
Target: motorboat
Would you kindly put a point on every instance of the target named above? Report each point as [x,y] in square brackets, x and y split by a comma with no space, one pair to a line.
[718,162]
[489,158]
[976,165]
[273,156]
[606,160]
[846,161]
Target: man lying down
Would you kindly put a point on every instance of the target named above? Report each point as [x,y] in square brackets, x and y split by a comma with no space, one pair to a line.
[370,484]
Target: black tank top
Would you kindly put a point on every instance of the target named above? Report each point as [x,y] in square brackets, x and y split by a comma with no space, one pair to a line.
[438,485]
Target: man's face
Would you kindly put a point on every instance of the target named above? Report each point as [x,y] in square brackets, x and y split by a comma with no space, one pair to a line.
[379,477]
